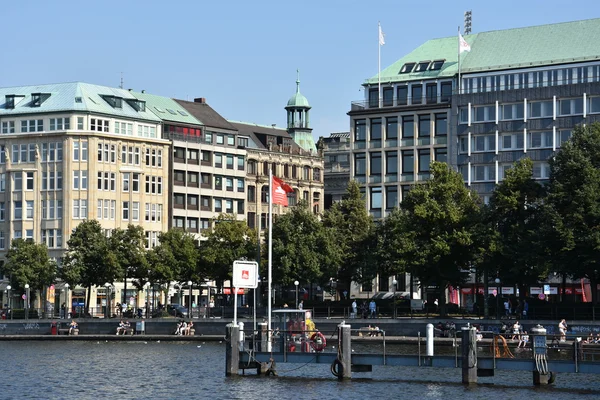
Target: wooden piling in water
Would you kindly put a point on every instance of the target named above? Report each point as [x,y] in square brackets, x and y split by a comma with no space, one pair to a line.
[232,350]
[469,355]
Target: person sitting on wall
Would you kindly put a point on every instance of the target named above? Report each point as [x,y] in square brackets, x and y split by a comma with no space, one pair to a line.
[188,329]
[72,327]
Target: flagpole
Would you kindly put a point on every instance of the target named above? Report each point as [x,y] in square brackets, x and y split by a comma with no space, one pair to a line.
[458,37]
[270,262]
[379,64]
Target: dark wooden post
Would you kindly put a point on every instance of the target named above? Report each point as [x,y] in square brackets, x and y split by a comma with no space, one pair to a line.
[469,354]
[232,350]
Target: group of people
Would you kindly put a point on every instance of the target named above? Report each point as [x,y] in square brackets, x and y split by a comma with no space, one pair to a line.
[592,339]
[369,311]
[519,310]
[123,327]
[184,328]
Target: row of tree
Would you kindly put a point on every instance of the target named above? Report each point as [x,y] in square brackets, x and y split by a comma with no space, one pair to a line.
[440,233]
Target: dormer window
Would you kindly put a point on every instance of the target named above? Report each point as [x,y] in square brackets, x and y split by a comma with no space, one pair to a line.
[36,99]
[422,66]
[436,65]
[12,100]
[408,67]
[114,101]
[138,105]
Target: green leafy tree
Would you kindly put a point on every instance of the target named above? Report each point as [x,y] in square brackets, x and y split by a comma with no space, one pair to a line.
[28,263]
[175,258]
[354,239]
[302,248]
[228,241]
[574,204]
[128,246]
[436,222]
[89,260]
[515,215]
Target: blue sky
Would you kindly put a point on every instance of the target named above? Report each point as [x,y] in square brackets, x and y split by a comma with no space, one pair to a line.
[242,55]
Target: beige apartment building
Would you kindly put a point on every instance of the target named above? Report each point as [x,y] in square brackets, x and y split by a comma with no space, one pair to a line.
[76,151]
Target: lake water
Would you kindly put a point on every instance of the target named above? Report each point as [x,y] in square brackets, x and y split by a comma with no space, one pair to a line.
[167,370]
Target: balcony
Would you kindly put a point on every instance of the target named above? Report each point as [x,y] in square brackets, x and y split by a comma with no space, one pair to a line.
[362,105]
[423,141]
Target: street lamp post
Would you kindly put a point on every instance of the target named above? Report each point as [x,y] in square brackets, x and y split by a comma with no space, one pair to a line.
[147,300]
[27,301]
[394,282]
[108,307]
[296,283]
[497,280]
[190,302]
[9,301]
[67,308]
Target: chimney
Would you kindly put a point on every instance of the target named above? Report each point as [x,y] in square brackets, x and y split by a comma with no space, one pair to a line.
[201,100]
[143,91]
[273,125]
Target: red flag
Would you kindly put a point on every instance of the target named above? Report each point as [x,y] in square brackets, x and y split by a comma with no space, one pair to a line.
[279,191]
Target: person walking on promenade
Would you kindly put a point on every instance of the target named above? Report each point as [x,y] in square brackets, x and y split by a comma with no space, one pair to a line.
[562,328]
[372,309]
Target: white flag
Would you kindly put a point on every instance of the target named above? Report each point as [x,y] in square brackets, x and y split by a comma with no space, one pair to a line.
[462,44]
[381,37]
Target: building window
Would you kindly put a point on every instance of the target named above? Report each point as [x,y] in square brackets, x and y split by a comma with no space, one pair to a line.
[441,124]
[424,126]
[99,125]
[424,160]
[482,143]
[376,129]
[484,114]
[408,161]
[29,209]
[431,93]
[562,136]
[510,112]
[18,181]
[220,139]
[441,155]
[29,180]
[402,95]
[571,106]
[375,166]
[8,126]
[391,197]
[446,92]
[376,198]
[480,173]
[360,166]
[391,162]
[536,140]
[416,93]
[360,130]
[125,211]
[391,128]
[511,141]
[408,127]
[540,109]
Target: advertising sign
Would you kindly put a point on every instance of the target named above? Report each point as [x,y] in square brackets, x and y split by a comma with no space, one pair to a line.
[508,290]
[245,274]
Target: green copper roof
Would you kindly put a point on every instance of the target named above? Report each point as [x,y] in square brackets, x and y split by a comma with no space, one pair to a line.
[298,100]
[73,96]
[533,46]
[435,49]
[505,49]
[167,109]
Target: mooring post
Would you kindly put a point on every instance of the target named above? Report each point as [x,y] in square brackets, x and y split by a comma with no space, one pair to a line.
[469,354]
[263,335]
[429,344]
[232,349]
[345,354]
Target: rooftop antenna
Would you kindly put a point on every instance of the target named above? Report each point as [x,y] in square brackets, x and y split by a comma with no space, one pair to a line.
[121,81]
[468,15]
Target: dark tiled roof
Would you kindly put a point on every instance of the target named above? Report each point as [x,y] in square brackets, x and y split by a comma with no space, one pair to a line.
[245,128]
[205,113]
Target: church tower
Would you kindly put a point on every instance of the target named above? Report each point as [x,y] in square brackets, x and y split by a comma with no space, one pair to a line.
[298,119]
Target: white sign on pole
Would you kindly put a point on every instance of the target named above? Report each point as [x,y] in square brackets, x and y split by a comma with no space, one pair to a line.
[245,274]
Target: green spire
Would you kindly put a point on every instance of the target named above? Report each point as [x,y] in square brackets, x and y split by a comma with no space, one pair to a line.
[297,100]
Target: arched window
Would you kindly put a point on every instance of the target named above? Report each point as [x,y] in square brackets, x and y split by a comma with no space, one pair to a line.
[306,173]
[264,194]
[292,198]
[252,164]
[316,202]
[317,174]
